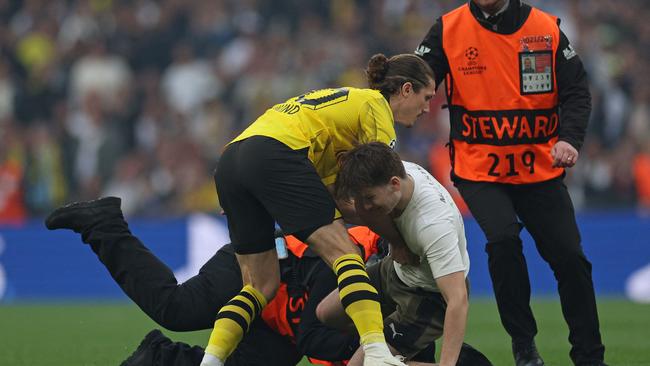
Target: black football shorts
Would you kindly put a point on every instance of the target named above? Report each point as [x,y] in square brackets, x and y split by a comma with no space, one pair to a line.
[261,181]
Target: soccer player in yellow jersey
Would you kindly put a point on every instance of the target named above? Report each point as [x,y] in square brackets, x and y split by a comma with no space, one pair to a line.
[282,169]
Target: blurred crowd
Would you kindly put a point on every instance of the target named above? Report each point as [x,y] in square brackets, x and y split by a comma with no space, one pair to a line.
[137,98]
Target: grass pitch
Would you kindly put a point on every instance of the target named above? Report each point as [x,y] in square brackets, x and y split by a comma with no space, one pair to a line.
[106,334]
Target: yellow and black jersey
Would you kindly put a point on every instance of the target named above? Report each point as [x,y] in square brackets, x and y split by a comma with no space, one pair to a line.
[327,121]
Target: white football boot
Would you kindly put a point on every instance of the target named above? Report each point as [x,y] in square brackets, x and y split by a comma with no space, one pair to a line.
[378,354]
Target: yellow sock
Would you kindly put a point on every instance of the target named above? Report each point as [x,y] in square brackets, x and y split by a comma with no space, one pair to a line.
[359,298]
[233,320]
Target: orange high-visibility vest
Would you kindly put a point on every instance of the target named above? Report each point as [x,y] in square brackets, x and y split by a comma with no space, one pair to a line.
[503,98]
[282,313]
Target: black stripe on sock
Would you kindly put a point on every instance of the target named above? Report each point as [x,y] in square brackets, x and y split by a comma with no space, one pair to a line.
[355,296]
[353,279]
[242,304]
[351,259]
[237,318]
[349,267]
[252,299]
[348,261]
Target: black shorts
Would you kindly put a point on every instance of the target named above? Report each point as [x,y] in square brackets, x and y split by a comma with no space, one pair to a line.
[261,181]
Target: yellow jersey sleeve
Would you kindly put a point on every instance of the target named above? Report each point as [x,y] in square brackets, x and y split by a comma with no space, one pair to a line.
[377,123]
[370,120]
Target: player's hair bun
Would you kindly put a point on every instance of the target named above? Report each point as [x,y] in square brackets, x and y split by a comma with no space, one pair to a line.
[377,70]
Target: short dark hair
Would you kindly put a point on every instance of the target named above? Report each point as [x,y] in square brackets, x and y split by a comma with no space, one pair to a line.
[365,166]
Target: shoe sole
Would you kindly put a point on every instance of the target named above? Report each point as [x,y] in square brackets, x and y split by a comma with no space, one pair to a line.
[98,203]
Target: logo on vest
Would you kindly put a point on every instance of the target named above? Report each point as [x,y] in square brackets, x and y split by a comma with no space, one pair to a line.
[422,50]
[471,53]
[472,66]
[540,42]
[569,52]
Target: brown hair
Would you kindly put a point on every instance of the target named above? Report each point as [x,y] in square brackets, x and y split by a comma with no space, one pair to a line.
[365,166]
[389,74]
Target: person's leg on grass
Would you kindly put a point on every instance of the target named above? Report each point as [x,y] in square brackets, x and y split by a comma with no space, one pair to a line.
[251,228]
[493,209]
[142,276]
[156,349]
[261,346]
[261,276]
[547,211]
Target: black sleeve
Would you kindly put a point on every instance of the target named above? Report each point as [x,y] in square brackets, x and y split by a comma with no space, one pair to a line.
[314,339]
[431,51]
[573,93]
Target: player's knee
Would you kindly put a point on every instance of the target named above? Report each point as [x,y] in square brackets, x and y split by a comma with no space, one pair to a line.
[504,246]
[331,313]
[174,314]
[331,242]
[569,263]
[325,311]
[304,234]
[504,240]
[173,321]
[321,313]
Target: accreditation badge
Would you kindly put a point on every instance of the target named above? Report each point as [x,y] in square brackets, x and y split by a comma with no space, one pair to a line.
[536,72]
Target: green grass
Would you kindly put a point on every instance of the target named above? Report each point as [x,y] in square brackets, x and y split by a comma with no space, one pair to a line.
[100,334]
[625,328]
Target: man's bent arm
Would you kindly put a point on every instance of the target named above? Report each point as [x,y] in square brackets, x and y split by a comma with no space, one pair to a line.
[385,227]
[454,290]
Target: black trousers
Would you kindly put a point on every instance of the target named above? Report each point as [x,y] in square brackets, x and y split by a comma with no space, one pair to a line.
[190,306]
[546,210]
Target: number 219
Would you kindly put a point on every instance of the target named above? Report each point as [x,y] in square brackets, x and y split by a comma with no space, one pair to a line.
[527,160]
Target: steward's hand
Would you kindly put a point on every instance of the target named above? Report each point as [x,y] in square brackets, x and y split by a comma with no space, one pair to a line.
[564,155]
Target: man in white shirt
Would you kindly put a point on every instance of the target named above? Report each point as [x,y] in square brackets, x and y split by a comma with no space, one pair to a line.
[428,299]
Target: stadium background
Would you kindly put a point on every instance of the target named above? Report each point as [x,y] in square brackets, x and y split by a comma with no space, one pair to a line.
[136,99]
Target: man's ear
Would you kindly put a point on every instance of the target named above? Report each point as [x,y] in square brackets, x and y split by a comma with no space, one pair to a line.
[395,183]
[407,88]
